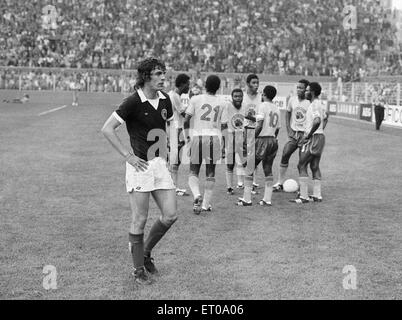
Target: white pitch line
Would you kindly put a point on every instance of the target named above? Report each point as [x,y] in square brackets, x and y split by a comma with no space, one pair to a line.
[52,110]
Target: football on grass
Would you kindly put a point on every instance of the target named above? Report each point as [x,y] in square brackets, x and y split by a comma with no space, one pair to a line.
[290,185]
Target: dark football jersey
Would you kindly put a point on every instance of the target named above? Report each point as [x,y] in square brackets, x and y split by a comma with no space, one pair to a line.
[146,125]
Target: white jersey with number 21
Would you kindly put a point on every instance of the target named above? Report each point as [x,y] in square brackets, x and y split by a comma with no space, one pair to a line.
[206,111]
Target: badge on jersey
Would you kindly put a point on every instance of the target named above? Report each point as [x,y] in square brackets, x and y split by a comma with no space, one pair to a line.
[237,121]
[300,115]
[164,114]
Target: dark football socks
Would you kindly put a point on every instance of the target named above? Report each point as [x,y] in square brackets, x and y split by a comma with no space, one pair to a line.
[137,249]
[156,233]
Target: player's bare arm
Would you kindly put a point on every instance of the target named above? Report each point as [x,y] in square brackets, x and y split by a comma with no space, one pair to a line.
[109,131]
[316,125]
[258,129]
[186,127]
[276,133]
[168,124]
[224,129]
[325,120]
[288,127]
[250,117]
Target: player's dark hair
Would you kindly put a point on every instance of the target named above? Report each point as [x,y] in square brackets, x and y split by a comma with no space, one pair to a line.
[251,77]
[182,78]
[145,68]
[270,92]
[237,90]
[305,82]
[316,88]
[212,84]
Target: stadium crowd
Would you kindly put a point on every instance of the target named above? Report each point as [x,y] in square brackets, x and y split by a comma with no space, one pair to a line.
[261,36]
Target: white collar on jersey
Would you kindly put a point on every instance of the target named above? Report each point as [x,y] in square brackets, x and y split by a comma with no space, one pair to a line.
[144,98]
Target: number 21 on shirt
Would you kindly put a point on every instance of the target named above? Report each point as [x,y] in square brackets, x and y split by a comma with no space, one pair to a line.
[206,116]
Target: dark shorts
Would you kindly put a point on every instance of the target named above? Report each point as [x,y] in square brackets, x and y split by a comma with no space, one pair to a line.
[290,147]
[296,139]
[205,148]
[316,146]
[265,152]
[265,148]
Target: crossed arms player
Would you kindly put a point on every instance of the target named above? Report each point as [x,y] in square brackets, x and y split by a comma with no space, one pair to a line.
[266,146]
[145,114]
[295,125]
[313,145]
[206,111]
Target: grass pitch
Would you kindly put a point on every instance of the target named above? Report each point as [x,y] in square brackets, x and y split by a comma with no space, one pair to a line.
[63,203]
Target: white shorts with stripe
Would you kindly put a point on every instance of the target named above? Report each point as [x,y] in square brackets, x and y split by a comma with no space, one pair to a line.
[156,177]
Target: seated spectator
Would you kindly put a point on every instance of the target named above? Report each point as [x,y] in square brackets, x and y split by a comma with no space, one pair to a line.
[263,36]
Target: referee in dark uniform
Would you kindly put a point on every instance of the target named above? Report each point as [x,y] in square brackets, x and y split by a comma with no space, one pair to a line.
[379,107]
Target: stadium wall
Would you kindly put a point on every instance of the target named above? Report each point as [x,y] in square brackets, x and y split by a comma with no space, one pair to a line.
[365,112]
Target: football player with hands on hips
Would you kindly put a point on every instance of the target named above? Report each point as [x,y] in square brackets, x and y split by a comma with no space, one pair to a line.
[313,143]
[145,114]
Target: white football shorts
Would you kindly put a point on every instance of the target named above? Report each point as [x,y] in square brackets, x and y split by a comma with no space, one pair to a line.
[156,177]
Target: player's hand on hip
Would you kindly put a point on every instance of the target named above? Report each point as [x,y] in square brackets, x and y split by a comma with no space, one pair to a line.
[138,163]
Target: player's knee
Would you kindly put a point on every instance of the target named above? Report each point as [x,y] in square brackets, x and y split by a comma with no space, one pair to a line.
[230,168]
[169,219]
[210,171]
[302,169]
[210,174]
[139,222]
[316,174]
[267,172]
[195,169]
[285,159]
[313,167]
[194,173]
[175,167]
